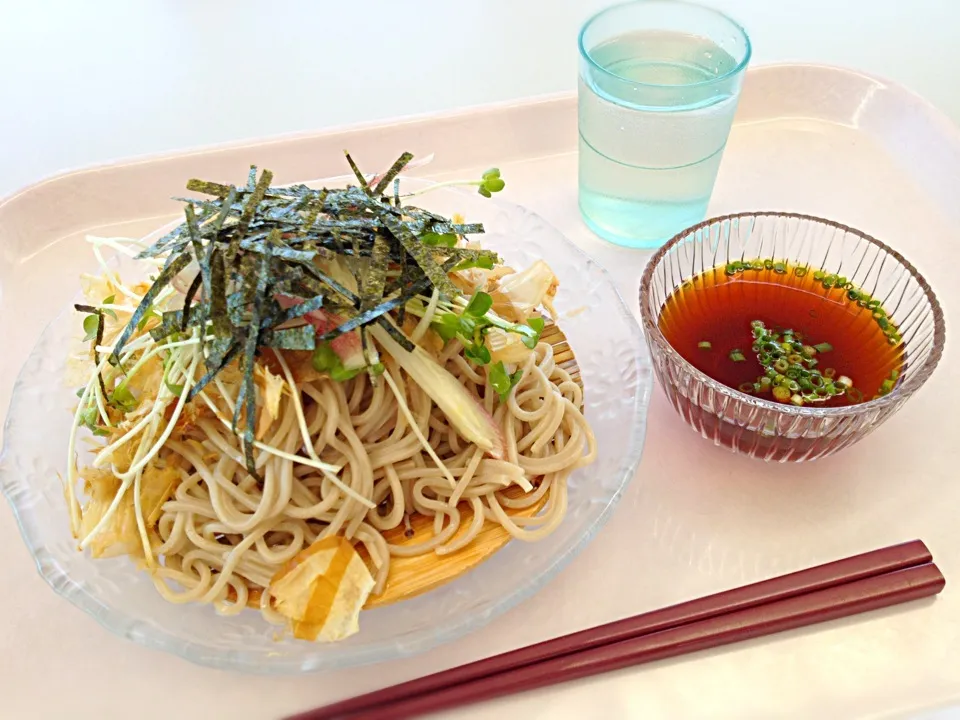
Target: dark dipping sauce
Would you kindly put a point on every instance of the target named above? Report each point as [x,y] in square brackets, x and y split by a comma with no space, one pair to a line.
[718,307]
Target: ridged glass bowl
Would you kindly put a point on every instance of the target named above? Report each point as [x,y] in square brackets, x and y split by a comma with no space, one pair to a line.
[765,429]
[615,368]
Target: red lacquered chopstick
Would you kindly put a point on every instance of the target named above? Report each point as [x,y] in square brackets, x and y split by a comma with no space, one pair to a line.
[821,577]
[835,602]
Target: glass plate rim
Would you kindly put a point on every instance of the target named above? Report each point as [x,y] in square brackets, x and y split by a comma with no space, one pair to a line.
[123,624]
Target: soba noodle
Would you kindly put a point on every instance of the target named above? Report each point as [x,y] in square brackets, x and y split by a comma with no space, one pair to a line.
[365,430]
[279,407]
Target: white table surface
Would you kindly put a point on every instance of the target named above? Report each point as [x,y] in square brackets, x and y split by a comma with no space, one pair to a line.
[91,82]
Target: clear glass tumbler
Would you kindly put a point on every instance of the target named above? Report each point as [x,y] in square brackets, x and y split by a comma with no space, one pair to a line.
[659,85]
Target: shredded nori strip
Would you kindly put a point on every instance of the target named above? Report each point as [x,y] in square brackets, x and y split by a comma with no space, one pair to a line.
[442,228]
[356,171]
[177,264]
[294,338]
[247,397]
[218,295]
[421,254]
[174,321]
[383,308]
[395,333]
[472,255]
[208,188]
[288,253]
[253,201]
[376,278]
[226,356]
[301,309]
[188,301]
[390,174]
[254,243]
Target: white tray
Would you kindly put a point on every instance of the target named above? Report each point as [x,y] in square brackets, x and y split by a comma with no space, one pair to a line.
[697,519]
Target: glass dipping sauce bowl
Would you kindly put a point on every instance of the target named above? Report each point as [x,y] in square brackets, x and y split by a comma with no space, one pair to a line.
[751,425]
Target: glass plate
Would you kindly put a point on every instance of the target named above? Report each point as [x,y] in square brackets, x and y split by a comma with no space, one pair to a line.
[616,372]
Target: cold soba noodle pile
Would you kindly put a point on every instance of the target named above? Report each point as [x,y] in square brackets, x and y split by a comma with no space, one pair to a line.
[305,372]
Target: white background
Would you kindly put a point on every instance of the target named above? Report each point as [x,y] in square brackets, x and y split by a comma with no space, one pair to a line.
[93,81]
[88,81]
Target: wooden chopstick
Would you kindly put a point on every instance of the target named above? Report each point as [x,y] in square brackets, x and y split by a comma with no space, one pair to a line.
[731,602]
[836,602]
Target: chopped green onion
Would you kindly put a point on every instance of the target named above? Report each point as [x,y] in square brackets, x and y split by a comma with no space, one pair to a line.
[746,387]
[781,393]
[704,345]
[789,366]
[855,395]
[737,356]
